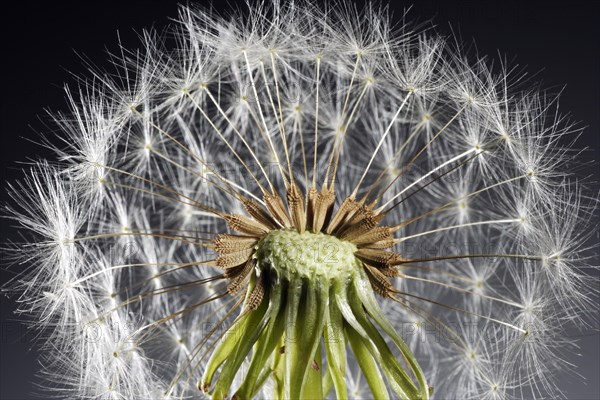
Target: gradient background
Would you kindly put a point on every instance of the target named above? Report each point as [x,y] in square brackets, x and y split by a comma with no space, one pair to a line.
[560,41]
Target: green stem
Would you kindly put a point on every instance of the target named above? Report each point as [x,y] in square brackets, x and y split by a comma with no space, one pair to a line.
[335,348]
[291,340]
[370,303]
[248,335]
[278,367]
[367,364]
[397,377]
[313,385]
[305,321]
[327,383]
[258,372]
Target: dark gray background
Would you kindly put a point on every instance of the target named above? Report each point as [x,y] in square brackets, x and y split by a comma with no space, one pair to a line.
[558,40]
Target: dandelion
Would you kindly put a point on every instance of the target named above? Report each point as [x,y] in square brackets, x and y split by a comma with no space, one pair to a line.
[295,202]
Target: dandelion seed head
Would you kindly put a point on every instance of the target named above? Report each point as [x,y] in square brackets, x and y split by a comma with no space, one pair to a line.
[297,201]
